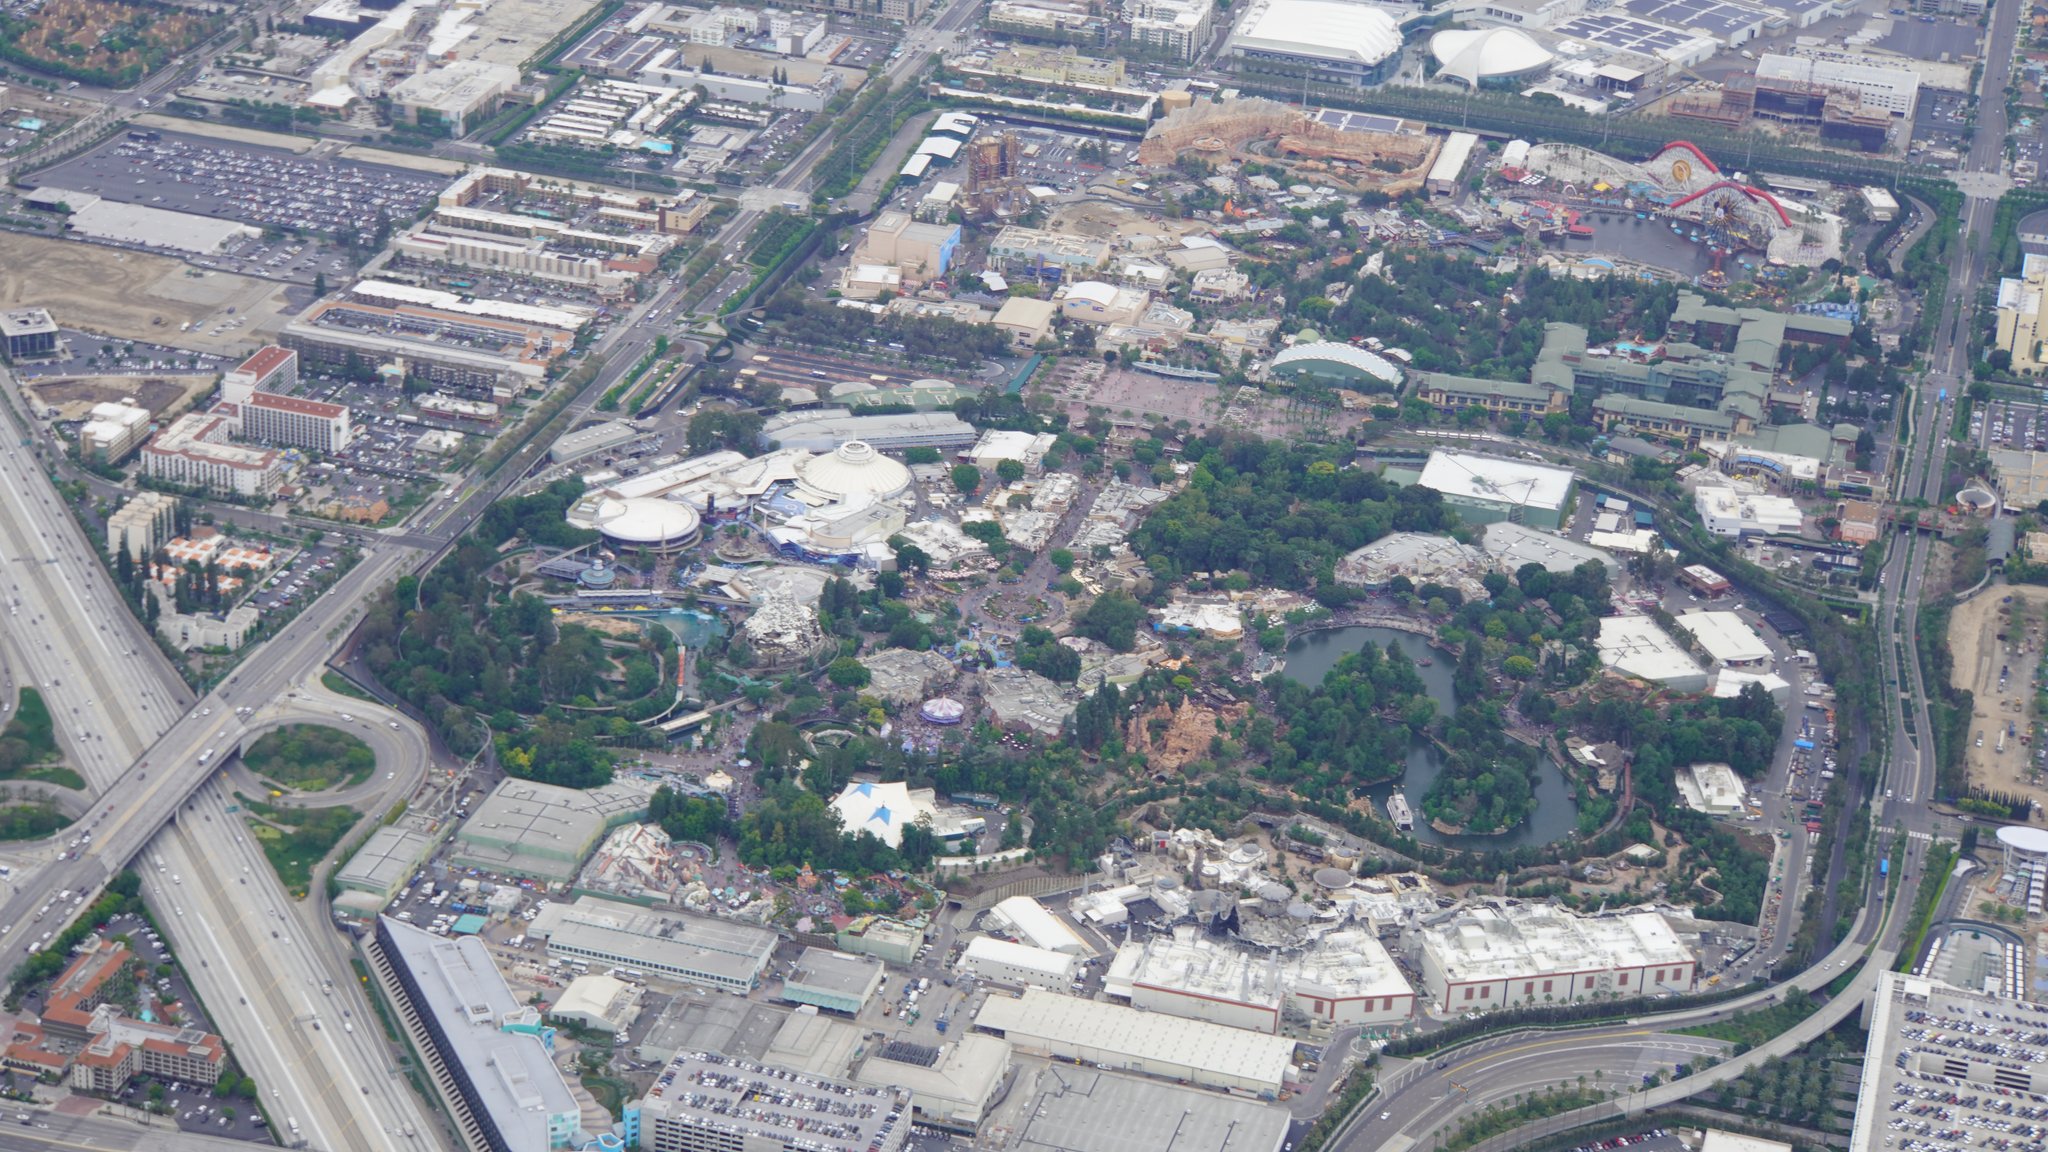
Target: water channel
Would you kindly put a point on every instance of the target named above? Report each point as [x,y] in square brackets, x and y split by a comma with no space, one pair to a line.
[1313,654]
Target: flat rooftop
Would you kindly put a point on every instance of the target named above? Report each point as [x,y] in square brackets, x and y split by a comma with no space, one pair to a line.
[1535,939]
[1113,1029]
[1495,479]
[385,859]
[1078,1109]
[593,926]
[768,1106]
[837,973]
[1947,1067]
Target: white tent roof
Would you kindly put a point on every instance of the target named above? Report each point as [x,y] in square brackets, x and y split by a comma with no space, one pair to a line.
[1473,55]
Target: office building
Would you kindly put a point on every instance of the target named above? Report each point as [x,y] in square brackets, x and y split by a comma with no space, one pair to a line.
[1005,962]
[194,451]
[1178,28]
[490,1056]
[834,981]
[1730,511]
[708,1102]
[673,945]
[1278,43]
[30,333]
[113,431]
[1523,954]
[1484,489]
[145,522]
[1117,1037]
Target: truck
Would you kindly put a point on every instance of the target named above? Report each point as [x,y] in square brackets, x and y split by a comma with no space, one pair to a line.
[408,418]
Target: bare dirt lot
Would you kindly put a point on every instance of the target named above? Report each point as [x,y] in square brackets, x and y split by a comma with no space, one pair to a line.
[1988,636]
[1135,400]
[134,295]
[74,396]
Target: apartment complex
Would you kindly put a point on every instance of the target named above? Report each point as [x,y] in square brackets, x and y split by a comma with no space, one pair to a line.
[141,525]
[1178,28]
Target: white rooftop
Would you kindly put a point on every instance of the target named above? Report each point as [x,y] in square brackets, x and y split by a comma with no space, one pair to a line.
[1154,1037]
[882,809]
[1033,924]
[1488,943]
[1635,646]
[1496,480]
[1725,636]
[994,950]
[1513,545]
[1331,29]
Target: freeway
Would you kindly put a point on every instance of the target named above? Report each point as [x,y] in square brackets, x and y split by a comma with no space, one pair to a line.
[52,1132]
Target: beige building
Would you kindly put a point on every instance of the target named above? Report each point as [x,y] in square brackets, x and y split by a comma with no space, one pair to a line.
[1027,321]
[114,431]
[144,523]
[1099,303]
[921,250]
[2022,317]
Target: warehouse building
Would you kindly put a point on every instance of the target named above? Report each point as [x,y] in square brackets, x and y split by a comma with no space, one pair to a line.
[708,1102]
[1079,1109]
[1635,646]
[834,981]
[825,429]
[1505,957]
[1332,43]
[1007,962]
[1116,1037]
[675,945]
[488,1053]
[1029,921]
[1347,979]
[1727,639]
[599,1003]
[1485,489]
[544,831]
[950,1086]
[386,860]
[891,940]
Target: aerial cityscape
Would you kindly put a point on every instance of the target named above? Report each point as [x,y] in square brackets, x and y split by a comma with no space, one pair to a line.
[1023,575]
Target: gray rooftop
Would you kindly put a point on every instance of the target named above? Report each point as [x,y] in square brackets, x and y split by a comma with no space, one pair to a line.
[825,429]
[768,1106]
[513,1077]
[718,948]
[545,831]
[385,860]
[1077,1109]
[837,973]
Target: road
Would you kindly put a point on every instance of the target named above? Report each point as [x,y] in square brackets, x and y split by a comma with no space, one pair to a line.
[48,1132]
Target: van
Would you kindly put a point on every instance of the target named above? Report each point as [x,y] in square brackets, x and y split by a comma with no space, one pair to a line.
[206,755]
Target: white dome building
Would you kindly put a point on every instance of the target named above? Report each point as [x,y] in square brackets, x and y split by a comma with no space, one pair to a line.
[853,473]
[661,526]
[1477,55]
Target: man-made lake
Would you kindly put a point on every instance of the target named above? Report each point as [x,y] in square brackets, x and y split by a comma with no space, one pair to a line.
[1313,654]
[1648,241]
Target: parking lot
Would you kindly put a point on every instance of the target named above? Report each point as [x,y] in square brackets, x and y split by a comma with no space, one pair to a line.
[107,356]
[260,186]
[2007,424]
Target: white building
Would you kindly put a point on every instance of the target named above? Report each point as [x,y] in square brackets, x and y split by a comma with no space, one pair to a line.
[1116,1037]
[997,445]
[1727,639]
[1007,962]
[113,431]
[1178,27]
[1635,646]
[1335,42]
[293,421]
[1879,204]
[1031,923]
[883,809]
[1348,979]
[1894,90]
[456,93]
[1727,511]
[1490,957]
[1449,166]
[1711,788]
[194,451]
[600,1003]
[1485,489]
[1422,558]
